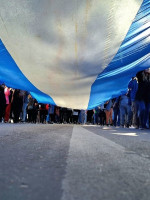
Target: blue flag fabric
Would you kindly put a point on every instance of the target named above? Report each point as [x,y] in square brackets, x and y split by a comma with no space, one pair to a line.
[12,76]
[59,55]
[132,56]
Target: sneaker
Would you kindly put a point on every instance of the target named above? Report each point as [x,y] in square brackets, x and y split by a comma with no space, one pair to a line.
[134,127]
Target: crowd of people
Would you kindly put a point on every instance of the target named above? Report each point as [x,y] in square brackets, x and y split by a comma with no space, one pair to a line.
[131,109]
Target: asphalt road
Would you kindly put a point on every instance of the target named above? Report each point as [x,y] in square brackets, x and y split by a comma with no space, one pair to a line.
[66,162]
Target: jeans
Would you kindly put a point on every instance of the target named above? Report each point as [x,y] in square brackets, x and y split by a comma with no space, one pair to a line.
[143,112]
[125,114]
[95,116]
[116,116]
[24,111]
[48,115]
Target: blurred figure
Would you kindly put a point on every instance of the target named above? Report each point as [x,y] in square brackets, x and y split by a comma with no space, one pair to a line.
[35,111]
[143,98]
[75,116]
[116,110]
[8,104]
[24,107]
[69,115]
[52,113]
[2,102]
[82,117]
[96,115]
[57,114]
[30,108]
[125,111]
[133,87]
[48,119]
[90,116]
[17,105]
[43,113]
[108,112]
[102,116]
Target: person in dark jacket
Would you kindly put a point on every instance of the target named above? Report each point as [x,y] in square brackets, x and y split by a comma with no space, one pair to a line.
[17,105]
[133,87]
[143,97]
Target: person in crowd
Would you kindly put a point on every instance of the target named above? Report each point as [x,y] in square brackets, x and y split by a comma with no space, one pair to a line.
[109,112]
[116,111]
[82,116]
[11,100]
[24,107]
[143,97]
[35,111]
[43,113]
[85,119]
[102,115]
[48,119]
[96,115]
[30,108]
[125,111]
[147,102]
[52,113]
[17,105]
[8,104]
[69,115]
[57,114]
[2,102]
[133,87]
[75,116]
[63,115]
[90,116]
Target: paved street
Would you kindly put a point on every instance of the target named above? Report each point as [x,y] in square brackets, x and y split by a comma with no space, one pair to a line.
[73,162]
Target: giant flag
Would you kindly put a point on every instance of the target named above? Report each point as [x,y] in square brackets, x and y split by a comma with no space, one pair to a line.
[73,53]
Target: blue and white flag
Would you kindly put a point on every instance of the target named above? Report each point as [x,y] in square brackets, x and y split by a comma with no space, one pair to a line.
[73,53]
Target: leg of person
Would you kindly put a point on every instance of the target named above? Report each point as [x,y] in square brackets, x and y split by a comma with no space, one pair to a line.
[122,115]
[1,112]
[107,117]
[134,114]
[147,110]
[16,116]
[24,110]
[48,116]
[29,115]
[129,116]
[110,116]
[118,117]
[115,116]
[141,106]
[7,112]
